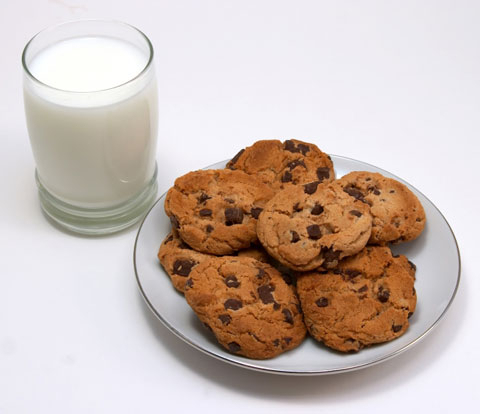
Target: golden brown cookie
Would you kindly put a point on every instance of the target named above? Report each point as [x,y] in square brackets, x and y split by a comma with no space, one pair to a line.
[215,211]
[247,305]
[313,225]
[281,164]
[397,213]
[366,300]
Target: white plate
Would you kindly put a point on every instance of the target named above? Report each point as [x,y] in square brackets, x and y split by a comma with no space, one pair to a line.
[435,253]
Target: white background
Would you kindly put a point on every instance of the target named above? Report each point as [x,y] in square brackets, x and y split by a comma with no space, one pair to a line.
[392,83]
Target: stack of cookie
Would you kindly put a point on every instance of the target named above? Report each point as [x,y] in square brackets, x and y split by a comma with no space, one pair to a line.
[273,247]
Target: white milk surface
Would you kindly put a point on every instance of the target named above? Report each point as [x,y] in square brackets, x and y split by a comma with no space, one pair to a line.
[93,135]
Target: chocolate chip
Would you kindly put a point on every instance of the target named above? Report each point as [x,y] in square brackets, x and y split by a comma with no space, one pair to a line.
[183,267]
[189,283]
[323,173]
[409,315]
[276,306]
[170,238]
[232,281]
[295,236]
[310,188]
[322,302]
[296,207]
[286,177]
[234,347]
[303,148]
[355,213]
[397,328]
[255,212]
[383,294]
[203,197]
[233,304]
[295,163]
[364,288]
[314,231]
[260,273]
[330,256]
[288,316]
[230,200]
[225,319]
[290,146]
[351,273]
[374,190]
[231,163]
[174,222]
[205,212]
[265,294]
[355,193]
[317,210]
[276,342]
[209,228]
[233,215]
[287,339]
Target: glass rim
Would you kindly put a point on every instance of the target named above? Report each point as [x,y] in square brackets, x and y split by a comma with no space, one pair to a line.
[70,22]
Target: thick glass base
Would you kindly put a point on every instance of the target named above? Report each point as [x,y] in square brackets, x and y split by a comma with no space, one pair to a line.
[96,222]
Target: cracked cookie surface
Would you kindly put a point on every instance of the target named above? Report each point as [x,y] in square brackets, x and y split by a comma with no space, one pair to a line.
[397,213]
[366,300]
[216,211]
[313,225]
[247,305]
[280,164]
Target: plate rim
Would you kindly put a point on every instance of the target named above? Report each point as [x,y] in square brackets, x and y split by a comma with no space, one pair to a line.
[258,368]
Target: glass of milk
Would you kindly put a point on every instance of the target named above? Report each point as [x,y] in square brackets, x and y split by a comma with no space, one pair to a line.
[91,107]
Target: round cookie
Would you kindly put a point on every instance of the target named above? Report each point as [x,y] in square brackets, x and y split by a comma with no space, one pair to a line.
[215,211]
[366,300]
[397,213]
[247,305]
[178,259]
[313,225]
[280,164]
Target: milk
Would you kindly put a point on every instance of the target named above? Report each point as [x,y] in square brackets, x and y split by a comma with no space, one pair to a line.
[93,133]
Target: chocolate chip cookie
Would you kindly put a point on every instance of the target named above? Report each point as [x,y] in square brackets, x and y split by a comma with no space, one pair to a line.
[247,305]
[216,211]
[281,164]
[313,225]
[366,300]
[397,213]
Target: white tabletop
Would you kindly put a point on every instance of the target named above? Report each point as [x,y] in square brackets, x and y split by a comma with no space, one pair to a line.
[394,84]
